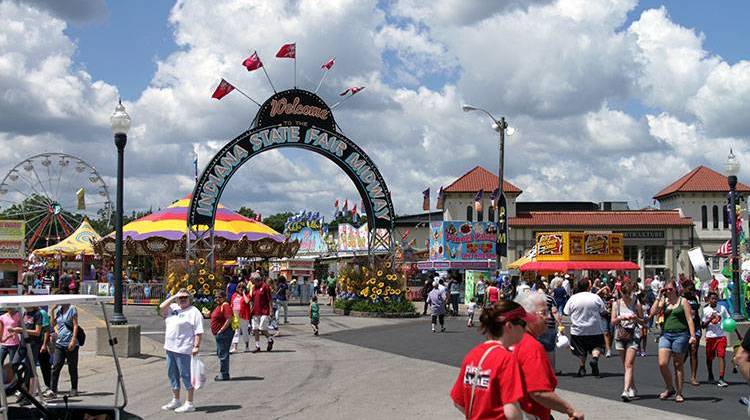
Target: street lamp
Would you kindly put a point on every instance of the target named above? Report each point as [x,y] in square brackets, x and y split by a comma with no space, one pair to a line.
[501,126]
[120,125]
[732,168]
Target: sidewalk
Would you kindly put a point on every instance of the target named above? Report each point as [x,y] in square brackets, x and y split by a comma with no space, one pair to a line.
[306,377]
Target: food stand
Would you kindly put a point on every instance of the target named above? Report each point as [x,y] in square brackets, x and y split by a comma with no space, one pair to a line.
[577,251]
[12,253]
[75,253]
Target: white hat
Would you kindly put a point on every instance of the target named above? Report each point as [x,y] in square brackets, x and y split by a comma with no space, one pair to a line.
[435,283]
[567,276]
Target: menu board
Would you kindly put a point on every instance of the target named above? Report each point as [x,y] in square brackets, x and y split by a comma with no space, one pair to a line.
[579,246]
[463,241]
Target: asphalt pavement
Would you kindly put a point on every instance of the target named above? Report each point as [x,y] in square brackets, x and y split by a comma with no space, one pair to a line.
[415,340]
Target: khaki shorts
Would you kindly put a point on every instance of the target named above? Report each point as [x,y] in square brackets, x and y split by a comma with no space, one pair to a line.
[260,322]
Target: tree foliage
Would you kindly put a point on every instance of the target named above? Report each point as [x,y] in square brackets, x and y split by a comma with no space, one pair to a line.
[277,221]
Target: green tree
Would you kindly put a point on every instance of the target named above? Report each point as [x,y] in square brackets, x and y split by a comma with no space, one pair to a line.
[277,221]
[247,212]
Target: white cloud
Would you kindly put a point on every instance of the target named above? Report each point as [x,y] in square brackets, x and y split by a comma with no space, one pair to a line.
[558,70]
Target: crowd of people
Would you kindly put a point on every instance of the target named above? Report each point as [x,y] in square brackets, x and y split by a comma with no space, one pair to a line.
[611,313]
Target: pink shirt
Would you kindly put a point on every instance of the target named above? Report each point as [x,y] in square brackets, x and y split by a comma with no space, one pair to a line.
[10,338]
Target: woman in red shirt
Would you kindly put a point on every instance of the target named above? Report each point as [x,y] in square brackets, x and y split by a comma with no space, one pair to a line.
[221,328]
[493,294]
[489,385]
[240,302]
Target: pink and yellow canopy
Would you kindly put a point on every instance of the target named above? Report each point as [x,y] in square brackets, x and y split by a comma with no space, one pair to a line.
[171,224]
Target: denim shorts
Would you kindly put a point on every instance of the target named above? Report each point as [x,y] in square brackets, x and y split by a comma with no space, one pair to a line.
[178,367]
[676,342]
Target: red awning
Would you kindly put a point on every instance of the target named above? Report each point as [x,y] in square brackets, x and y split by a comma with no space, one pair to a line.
[578,265]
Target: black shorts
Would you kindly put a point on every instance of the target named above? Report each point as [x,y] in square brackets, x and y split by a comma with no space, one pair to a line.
[315,321]
[581,345]
[332,291]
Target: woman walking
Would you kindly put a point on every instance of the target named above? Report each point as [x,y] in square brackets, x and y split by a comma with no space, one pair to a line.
[436,300]
[678,333]
[627,318]
[10,327]
[241,309]
[221,328]
[65,322]
[490,384]
[182,340]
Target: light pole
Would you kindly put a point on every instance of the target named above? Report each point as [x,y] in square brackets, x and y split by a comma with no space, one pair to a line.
[120,125]
[501,126]
[732,168]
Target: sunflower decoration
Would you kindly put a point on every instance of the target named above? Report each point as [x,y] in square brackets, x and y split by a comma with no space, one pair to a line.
[381,284]
[365,292]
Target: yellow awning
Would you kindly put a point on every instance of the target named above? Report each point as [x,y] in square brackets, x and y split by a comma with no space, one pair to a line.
[78,243]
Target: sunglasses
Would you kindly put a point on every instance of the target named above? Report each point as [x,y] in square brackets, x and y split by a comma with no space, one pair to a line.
[183,298]
[669,289]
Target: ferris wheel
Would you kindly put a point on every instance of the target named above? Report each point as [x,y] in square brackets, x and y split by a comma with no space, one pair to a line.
[53,193]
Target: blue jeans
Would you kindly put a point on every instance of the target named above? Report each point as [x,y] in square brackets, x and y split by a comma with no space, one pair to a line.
[223,343]
[178,367]
[677,342]
[7,351]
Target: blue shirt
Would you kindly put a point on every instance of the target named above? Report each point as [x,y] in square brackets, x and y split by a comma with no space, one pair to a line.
[281,292]
[64,322]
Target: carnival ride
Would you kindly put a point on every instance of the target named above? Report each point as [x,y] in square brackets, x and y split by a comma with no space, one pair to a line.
[48,191]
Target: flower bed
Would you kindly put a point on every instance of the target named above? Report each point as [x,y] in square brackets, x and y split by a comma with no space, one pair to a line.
[372,292]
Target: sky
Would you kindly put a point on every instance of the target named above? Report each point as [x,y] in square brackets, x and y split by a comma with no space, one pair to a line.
[611,99]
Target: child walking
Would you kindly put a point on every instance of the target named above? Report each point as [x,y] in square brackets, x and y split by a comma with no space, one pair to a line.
[470,308]
[314,314]
[716,340]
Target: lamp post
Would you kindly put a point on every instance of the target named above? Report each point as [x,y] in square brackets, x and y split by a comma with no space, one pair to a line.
[120,125]
[501,126]
[732,168]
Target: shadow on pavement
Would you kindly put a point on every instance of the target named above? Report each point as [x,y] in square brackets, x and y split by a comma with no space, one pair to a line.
[247,378]
[217,408]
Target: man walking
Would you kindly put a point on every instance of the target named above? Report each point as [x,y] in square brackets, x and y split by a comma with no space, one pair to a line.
[281,299]
[261,297]
[586,334]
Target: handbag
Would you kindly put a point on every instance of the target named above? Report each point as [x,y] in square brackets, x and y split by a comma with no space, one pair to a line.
[235,322]
[621,332]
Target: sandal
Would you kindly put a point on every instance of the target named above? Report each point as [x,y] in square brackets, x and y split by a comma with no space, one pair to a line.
[666,394]
[694,382]
[679,398]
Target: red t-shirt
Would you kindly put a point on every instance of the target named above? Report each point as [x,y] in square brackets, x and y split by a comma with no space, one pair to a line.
[499,382]
[219,316]
[537,374]
[493,294]
[261,300]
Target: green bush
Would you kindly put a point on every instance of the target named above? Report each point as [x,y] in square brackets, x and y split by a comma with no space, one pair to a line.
[344,304]
[394,306]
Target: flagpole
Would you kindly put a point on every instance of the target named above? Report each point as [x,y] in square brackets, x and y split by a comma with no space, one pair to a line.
[243,93]
[325,73]
[334,106]
[269,79]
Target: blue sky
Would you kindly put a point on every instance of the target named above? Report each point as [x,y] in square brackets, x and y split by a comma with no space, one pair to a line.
[124,48]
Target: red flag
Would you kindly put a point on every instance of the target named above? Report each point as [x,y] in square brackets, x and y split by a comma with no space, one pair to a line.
[336,204]
[426,199]
[346,205]
[287,51]
[328,64]
[253,62]
[354,210]
[353,90]
[478,201]
[223,89]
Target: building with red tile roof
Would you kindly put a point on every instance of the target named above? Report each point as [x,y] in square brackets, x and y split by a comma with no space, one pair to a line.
[700,180]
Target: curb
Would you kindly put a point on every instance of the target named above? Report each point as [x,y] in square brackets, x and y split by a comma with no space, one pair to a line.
[338,311]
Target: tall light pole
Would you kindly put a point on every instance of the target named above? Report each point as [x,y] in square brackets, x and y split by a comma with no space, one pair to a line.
[501,126]
[732,168]
[120,125]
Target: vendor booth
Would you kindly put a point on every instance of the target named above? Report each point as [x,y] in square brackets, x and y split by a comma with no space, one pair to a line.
[12,253]
[576,251]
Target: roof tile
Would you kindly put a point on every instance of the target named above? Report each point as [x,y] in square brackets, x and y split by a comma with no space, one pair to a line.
[480,178]
[601,219]
[700,179]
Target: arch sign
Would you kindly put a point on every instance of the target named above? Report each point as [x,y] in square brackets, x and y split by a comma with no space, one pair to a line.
[293,118]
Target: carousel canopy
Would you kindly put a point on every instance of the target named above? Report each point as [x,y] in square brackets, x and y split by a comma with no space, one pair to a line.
[164,233]
[78,243]
[171,223]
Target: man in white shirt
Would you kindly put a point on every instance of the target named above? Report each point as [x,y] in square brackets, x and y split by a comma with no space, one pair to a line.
[566,284]
[586,334]
[716,341]
[656,285]
[556,282]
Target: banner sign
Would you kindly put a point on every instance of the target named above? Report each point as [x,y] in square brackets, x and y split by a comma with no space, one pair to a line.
[463,241]
[12,239]
[351,238]
[300,119]
[699,264]
[579,246]
[311,241]
[502,227]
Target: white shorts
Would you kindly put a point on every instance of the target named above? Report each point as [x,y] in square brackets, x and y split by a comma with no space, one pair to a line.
[260,322]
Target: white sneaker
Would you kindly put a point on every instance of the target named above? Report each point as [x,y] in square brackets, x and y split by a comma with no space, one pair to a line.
[172,405]
[185,408]
[632,393]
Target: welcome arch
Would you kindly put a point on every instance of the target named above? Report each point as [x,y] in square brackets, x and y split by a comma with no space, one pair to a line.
[300,119]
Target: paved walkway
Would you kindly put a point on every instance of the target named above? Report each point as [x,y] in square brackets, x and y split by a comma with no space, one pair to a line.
[305,377]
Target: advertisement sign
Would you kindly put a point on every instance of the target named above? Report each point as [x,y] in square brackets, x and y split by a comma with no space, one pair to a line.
[502,227]
[463,241]
[351,238]
[311,241]
[579,246]
[472,278]
[12,234]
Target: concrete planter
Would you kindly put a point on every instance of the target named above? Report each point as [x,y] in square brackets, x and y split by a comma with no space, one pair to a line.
[376,314]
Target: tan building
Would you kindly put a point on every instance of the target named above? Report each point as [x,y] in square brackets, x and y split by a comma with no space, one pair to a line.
[692,213]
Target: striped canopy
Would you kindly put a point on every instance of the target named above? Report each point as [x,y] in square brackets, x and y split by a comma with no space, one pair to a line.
[78,243]
[171,224]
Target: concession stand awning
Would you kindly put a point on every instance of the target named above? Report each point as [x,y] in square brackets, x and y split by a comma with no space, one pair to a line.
[578,265]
